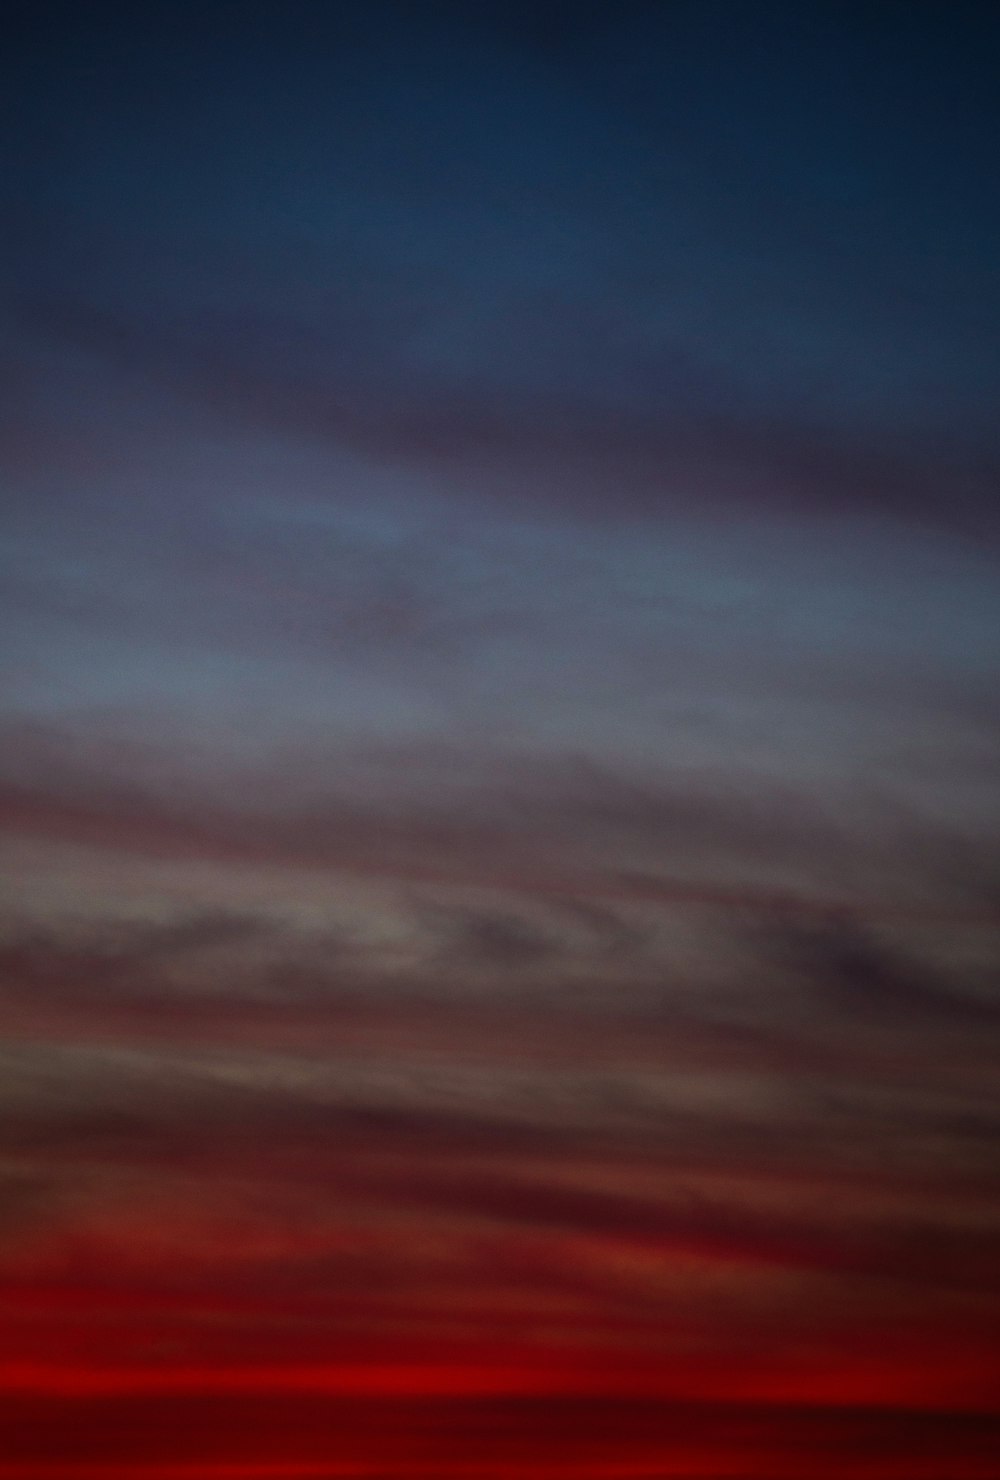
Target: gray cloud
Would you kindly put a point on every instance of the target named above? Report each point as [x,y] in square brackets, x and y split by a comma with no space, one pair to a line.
[865,978]
[566,828]
[643,460]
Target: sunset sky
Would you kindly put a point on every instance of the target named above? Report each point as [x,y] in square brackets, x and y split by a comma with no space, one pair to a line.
[499,716]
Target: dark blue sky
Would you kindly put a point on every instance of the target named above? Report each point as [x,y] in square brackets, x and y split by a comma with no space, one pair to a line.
[744,248]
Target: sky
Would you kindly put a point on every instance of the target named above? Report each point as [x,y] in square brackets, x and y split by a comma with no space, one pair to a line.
[500,914]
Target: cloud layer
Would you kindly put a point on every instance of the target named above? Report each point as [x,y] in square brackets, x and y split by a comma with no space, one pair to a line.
[498,749]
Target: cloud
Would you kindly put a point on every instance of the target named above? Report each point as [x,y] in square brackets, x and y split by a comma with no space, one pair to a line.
[863,977]
[529,259]
[581,449]
[498,952]
[432,814]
